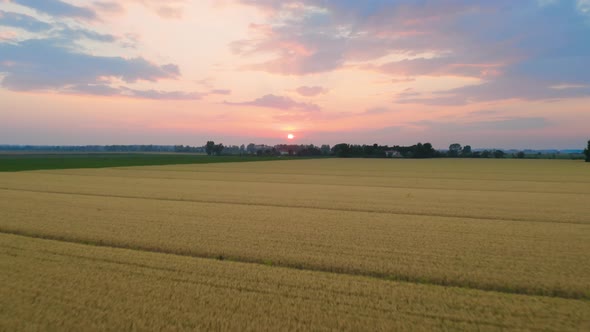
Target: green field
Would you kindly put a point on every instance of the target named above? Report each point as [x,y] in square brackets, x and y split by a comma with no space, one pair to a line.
[320,244]
[15,162]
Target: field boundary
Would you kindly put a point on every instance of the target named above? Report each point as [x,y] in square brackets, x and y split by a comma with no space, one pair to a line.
[554,293]
[35,162]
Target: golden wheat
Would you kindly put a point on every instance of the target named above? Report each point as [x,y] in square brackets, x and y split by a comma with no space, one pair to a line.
[49,285]
[443,189]
[524,229]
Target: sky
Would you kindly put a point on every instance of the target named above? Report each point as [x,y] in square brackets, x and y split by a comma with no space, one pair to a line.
[491,74]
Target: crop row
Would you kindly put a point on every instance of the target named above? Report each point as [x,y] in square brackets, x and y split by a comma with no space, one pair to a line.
[518,257]
[519,206]
[49,285]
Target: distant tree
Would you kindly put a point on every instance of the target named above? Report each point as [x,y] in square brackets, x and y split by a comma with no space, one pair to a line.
[486,154]
[217,149]
[210,147]
[251,148]
[499,154]
[342,150]
[325,149]
[466,152]
[520,155]
[309,150]
[242,149]
[587,153]
[427,151]
[454,150]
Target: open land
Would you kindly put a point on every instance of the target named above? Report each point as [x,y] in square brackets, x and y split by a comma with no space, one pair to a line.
[323,244]
[15,161]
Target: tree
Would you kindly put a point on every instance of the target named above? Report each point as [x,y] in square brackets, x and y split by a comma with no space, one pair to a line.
[427,151]
[454,150]
[217,149]
[210,147]
[466,152]
[342,150]
[520,155]
[251,148]
[485,154]
[499,154]
[587,153]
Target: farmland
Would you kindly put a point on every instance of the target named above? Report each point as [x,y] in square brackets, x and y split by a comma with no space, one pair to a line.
[333,244]
[17,161]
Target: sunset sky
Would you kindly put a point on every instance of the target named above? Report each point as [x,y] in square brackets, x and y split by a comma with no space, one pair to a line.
[492,74]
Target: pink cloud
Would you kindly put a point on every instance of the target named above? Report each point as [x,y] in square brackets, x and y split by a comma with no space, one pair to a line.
[224,92]
[170,12]
[110,7]
[8,35]
[311,91]
[279,102]
[441,66]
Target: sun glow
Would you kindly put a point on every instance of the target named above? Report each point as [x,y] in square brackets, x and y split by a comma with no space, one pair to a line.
[290,136]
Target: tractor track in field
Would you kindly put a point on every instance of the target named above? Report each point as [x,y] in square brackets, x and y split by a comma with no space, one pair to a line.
[556,293]
[299,206]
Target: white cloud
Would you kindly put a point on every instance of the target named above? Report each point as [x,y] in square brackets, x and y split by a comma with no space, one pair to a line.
[584,6]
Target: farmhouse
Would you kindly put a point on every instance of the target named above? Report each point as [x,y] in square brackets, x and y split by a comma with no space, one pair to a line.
[392,154]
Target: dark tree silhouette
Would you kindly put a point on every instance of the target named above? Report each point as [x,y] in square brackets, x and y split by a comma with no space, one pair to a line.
[587,153]
[499,154]
[454,150]
[466,152]
[342,150]
[217,149]
[210,147]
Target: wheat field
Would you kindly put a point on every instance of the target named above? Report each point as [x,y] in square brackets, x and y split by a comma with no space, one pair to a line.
[314,244]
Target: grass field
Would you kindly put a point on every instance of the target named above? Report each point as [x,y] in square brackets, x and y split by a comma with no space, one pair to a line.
[317,244]
[13,162]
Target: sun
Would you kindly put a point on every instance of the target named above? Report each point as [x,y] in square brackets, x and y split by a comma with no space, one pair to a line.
[290,136]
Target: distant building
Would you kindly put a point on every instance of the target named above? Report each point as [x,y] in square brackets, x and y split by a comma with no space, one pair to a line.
[284,151]
[392,154]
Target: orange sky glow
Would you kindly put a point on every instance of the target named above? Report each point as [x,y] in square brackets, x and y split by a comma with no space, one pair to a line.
[493,74]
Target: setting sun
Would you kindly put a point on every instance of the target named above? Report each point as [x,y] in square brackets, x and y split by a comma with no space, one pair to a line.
[290,136]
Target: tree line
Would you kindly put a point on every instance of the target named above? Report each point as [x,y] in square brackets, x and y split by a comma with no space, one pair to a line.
[419,150]
[343,150]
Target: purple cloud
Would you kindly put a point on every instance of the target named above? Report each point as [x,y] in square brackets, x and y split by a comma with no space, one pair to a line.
[311,91]
[108,6]
[505,124]
[441,66]
[513,47]
[279,103]
[224,92]
[501,89]
[45,64]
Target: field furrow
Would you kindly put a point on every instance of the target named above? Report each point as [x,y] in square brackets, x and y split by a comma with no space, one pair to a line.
[329,244]
[50,285]
[492,255]
[548,207]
